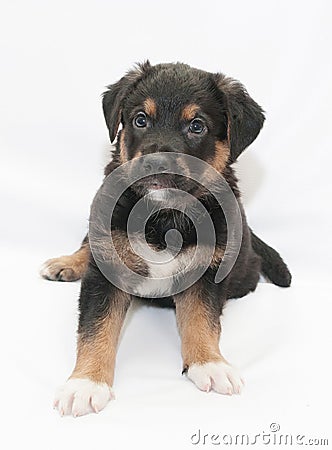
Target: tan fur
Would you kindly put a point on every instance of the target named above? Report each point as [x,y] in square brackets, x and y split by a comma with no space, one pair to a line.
[189,111]
[69,267]
[220,159]
[217,257]
[138,154]
[102,246]
[229,132]
[204,253]
[199,333]
[123,149]
[126,253]
[150,107]
[96,354]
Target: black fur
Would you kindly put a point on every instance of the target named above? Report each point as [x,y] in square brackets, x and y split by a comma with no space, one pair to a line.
[245,116]
[232,117]
[114,97]
[272,266]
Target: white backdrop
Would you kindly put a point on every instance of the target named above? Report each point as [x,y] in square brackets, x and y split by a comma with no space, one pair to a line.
[56,57]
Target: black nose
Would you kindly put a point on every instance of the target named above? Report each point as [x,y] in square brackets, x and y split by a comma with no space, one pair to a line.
[156,163]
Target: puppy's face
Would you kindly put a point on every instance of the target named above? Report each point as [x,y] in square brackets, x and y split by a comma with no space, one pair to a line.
[171,110]
[165,115]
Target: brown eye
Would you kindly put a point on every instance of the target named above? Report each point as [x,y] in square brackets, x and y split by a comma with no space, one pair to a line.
[196,126]
[140,120]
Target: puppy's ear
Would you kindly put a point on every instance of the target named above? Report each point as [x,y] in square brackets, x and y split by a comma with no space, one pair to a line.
[245,116]
[114,97]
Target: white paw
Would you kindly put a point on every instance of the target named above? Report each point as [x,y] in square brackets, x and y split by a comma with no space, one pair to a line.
[219,376]
[79,396]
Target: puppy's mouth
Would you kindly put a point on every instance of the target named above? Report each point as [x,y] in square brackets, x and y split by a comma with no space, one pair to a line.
[160,187]
[154,183]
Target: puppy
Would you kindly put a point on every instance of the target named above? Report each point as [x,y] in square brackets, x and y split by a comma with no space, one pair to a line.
[168,113]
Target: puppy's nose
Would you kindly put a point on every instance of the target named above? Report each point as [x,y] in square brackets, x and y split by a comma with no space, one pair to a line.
[156,163]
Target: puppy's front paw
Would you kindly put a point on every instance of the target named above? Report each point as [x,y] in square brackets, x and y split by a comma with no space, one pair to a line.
[80,396]
[61,269]
[219,376]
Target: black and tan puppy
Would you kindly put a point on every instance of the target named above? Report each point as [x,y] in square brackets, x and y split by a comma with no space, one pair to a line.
[167,109]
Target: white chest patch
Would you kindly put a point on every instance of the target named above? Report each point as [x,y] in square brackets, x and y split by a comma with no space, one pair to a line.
[162,274]
[163,266]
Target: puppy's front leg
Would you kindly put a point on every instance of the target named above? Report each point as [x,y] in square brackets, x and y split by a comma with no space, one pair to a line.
[102,311]
[197,313]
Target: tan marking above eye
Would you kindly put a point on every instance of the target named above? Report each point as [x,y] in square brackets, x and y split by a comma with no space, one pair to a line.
[189,112]
[150,107]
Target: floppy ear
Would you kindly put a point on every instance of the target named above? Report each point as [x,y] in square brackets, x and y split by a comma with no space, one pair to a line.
[114,97]
[245,116]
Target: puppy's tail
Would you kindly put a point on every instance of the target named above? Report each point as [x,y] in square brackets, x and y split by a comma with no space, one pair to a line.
[273,267]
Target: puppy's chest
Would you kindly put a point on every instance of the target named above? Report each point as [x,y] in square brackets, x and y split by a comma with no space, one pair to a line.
[167,250]
[165,229]
[164,269]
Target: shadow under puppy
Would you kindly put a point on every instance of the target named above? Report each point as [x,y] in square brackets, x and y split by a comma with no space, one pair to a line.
[167,109]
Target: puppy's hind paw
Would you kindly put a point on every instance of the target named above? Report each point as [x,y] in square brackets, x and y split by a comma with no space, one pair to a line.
[61,269]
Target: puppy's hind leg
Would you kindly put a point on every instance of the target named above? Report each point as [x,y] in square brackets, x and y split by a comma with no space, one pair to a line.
[69,267]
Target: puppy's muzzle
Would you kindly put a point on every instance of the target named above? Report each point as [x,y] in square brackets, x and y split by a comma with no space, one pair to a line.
[157,163]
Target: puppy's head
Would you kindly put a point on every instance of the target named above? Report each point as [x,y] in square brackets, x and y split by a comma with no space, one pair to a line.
[171,109]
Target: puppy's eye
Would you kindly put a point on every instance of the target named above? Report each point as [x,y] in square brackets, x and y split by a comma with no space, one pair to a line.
[196,126]
[140,120]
